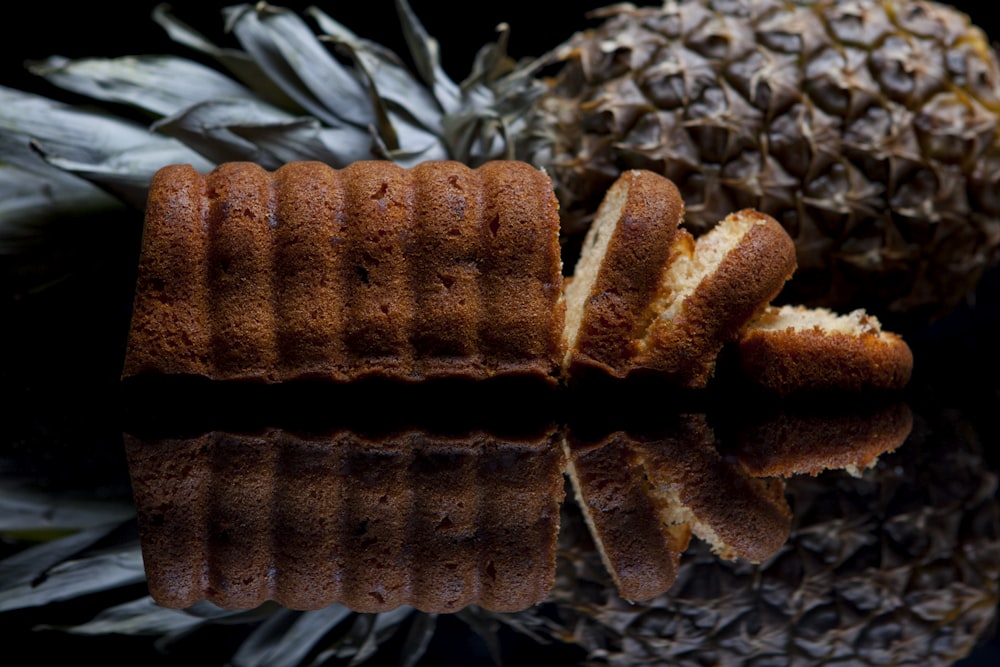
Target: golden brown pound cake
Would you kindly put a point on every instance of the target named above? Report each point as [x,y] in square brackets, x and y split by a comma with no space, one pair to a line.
[372,270]
[619,272]
[712,288]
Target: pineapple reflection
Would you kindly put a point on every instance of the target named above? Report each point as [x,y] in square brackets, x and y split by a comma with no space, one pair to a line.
[434,522]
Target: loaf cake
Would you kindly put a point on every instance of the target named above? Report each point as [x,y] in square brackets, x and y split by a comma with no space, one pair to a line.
[371,270]
[431,521]
[792,349]
[647,297]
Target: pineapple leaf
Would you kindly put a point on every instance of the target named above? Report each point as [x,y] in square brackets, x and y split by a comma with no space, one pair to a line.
[236,62]
[70,567]
[366,635]
[26,509]
[116,154]
[34,194]
[162,85]
[424,51]
[229,130]
[385,72]
[486,627]
[287,637]
[144,616]
[289,52]
[418,638]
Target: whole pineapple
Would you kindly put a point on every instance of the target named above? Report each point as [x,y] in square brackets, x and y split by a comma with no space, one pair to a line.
[868,127]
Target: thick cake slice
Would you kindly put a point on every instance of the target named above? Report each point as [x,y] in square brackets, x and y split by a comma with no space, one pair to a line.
[808,440]
[619,273]
[372,270]
[646,297]
[711,289]
[639,547]
[794,349]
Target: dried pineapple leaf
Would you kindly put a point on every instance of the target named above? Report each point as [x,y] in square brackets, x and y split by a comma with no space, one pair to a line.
[137,618]
[424,51]
[231,130]
[418,638]
[386,74]
[34,194]
[291,54]
[71,567]
[409,158]
[118,155]
[238,63]
[24,508]
[162,85]
[287,637]
[126,174]
[362,641]
[487,627]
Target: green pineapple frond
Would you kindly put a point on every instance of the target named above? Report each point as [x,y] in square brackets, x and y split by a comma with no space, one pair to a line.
[290,92]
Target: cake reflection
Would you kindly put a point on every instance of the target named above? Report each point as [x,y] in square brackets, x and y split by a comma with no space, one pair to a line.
[437,522]
[644,493]
[379,516]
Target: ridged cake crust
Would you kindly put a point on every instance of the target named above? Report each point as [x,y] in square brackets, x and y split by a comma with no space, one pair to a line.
[619,272]
[432,521]
[371,270]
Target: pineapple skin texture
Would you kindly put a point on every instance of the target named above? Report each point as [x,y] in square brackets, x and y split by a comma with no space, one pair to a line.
[868,128]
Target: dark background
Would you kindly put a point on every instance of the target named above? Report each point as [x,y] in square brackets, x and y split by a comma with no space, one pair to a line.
[82,29]
[38,29]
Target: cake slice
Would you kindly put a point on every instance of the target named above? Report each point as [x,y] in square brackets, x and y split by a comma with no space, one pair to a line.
[639,548]
[809,440]
[712,287]
[644,494]
[741,516]
[619,273]
[794,349]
